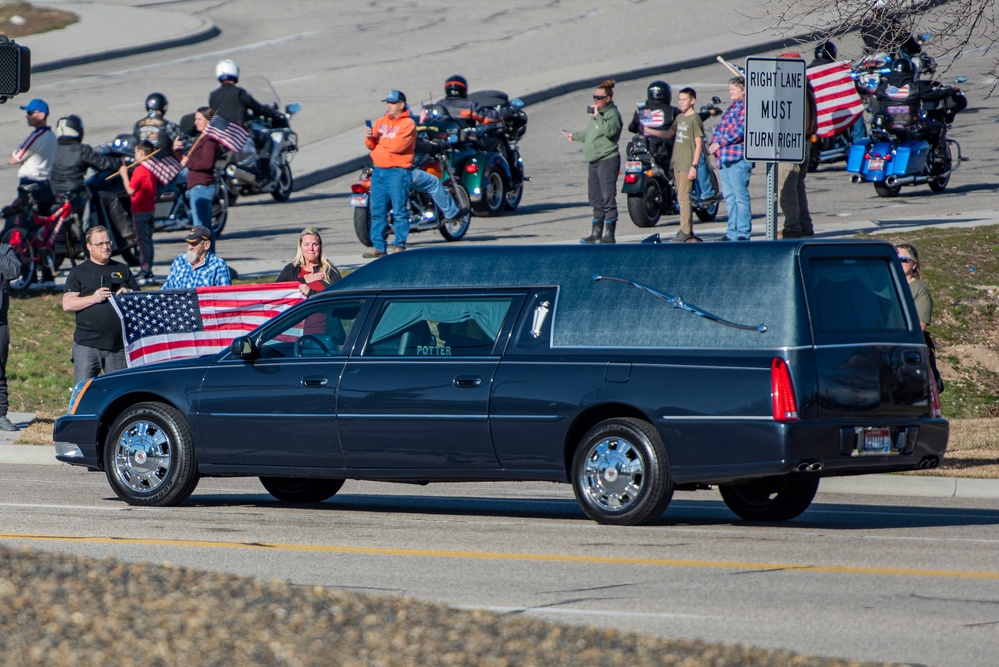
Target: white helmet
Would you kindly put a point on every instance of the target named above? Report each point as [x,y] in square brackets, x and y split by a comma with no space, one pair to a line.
[227,69]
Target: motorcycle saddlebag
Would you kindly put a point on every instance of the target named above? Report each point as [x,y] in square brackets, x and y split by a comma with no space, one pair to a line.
[910,158]
[855,160]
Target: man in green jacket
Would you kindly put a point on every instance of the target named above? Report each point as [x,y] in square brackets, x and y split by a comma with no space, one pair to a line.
[600,149]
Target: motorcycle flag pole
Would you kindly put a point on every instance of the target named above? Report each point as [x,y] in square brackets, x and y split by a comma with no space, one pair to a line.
[732,68]
[136,163]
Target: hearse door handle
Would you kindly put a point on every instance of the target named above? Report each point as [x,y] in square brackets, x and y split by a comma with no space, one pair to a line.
[315,381]
[467,381]
[912,358]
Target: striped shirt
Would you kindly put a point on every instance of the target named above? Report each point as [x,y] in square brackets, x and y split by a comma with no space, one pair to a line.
[36,154]
[730,133]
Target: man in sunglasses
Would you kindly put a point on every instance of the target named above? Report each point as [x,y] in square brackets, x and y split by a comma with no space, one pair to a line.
[36,155]
[199,266]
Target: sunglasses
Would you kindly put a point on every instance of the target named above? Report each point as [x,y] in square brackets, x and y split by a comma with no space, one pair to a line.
[904,260]
[600,97]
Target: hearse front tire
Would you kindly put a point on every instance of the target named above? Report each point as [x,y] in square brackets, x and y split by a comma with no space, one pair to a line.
[777,499]
[149,456]
[620,473]
[300,490]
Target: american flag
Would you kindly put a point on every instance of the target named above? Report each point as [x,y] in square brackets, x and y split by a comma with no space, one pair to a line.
[836,97]
[173,324]
[231,135]
[165,168]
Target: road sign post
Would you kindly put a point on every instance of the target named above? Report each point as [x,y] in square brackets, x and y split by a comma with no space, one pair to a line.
[775,119]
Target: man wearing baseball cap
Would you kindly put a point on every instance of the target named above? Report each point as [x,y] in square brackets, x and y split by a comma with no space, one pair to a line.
[199,266]
[36,154]
[392,142]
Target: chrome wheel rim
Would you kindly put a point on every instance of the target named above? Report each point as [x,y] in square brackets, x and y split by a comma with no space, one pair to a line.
[494,190]
[613,474]
[143,456]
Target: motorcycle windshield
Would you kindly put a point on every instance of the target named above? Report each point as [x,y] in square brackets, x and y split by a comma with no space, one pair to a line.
[262,90]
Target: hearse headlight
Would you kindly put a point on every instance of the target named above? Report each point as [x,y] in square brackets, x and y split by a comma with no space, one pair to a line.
[77,395]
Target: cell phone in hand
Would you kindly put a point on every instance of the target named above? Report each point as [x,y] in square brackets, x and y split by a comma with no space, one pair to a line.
[106,282]
[591,110]
[367,123]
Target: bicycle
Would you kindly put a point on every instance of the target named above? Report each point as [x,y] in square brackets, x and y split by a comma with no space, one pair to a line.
[33,236]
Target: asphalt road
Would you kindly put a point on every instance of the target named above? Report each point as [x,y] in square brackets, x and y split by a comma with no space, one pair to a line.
[875,578]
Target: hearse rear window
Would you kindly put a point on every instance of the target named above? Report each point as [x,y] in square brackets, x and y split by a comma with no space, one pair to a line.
[856,296]
[444,327]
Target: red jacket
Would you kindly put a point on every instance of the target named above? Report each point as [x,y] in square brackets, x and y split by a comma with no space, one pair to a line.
[144,185]
[393,141]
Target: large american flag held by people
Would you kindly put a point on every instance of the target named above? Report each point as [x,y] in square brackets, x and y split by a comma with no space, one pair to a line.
[839,105]
[173,324]
[231,135]
[165,168]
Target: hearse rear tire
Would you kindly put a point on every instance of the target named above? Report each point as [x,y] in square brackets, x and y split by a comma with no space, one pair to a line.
[620,473]
[777,499]
[149,456]
[298,490]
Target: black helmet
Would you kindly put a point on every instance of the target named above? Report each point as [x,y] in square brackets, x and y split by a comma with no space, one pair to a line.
[456,86]
[903,66]
[70,127]
[825,51]
[156,102]
[658,91]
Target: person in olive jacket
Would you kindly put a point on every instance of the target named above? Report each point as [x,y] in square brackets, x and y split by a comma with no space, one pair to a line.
[600,149]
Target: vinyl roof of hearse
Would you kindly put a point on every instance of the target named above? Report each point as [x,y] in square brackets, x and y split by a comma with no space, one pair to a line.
[746,283]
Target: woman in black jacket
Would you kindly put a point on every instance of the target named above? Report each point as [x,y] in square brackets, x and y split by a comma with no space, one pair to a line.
[310,266]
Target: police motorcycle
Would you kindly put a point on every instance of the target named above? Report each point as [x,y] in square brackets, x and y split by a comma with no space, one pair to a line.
[908,143]
[264,164]
[110,205]
[649,181]
[487,157]
[441,133]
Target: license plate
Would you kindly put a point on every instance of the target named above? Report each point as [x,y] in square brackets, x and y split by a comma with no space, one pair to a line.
[873,442]
[875,164]
[359,201]
[632,167]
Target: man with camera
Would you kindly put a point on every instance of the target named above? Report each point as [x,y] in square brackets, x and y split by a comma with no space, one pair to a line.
[97,342]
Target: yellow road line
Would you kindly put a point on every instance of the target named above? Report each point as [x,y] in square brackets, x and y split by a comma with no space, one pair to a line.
[496,555]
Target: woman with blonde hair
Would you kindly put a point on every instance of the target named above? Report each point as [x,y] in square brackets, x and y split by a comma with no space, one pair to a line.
[601,150]
[909,257]
[310,266]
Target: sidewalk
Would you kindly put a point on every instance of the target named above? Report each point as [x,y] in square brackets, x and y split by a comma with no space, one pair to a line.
[127,30]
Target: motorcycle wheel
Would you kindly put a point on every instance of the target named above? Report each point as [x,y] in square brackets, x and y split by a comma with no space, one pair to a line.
[493,194]
[285,183]
[645,209]
[708,213]
[885,190]
[513,197]
[362,226]
[454,230]
[940,182]
[220,211]
[27,274]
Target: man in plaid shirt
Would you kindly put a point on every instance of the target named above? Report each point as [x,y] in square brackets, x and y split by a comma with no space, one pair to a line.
[728,147]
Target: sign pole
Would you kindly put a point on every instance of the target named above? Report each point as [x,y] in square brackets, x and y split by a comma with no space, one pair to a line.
[771,201]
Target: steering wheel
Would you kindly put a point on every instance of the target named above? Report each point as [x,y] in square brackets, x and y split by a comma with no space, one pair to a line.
[300,345]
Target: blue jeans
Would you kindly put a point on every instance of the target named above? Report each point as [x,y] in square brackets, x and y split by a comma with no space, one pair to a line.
[703,187]
[389,187]
[431,185]
[735,186]
[201,198]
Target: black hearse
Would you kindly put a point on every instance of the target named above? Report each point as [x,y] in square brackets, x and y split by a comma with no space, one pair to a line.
[627,371]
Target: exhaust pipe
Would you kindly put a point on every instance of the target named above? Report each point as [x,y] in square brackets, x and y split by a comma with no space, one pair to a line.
[856,178]
[809,466]
[929,462]
[241,175]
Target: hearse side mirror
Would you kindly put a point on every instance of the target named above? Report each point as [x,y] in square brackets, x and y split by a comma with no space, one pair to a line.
[243,347]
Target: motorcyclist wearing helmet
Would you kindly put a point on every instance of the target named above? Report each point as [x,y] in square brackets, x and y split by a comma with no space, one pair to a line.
[460,107]
[154,127]
[73,159]
[653,120]
[903,88]
[825,54]
[232,102]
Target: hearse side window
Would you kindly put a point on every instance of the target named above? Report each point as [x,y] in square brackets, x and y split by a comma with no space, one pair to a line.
[319,331]
[856,296]
[444,327]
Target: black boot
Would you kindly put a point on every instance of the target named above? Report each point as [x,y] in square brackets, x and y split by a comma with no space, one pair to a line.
[608,236]
[594,237]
